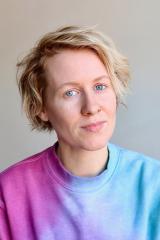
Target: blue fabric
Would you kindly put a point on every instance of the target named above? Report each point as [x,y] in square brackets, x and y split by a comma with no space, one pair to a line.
[40,199]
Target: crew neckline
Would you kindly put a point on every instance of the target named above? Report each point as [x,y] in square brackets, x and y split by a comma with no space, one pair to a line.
[68,180]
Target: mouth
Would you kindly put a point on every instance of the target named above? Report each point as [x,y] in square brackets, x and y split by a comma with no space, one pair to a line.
[94,127]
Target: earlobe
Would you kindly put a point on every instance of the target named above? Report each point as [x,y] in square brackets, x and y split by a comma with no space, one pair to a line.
[43,116]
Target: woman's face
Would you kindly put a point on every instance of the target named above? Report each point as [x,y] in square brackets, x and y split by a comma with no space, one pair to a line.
[80,101]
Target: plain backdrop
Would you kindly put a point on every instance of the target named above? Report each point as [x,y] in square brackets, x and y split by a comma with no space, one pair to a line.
[134,25]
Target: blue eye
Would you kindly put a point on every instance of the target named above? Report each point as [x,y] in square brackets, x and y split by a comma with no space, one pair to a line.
[71,93]
[100,87]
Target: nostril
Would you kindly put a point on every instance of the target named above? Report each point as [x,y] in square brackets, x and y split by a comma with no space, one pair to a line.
[91,111]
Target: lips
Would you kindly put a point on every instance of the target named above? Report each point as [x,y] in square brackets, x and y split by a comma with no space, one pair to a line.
[94,127]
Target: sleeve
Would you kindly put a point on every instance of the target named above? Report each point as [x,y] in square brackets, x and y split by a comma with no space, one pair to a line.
[4,225]
[154,223]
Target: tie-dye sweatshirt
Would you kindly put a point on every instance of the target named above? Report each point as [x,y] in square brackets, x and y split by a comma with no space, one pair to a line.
[41,200]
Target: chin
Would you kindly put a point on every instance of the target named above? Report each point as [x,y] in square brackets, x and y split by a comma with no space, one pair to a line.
[96,141]
[95,145]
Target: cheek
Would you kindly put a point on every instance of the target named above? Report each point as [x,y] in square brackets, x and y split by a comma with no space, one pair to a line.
[66,103]
[109,103]
[62,115]
[69,107]
[113,107]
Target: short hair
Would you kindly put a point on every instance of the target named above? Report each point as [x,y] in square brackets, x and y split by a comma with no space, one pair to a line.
[31,69]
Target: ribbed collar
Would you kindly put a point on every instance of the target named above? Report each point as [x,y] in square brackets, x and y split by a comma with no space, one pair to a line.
[81,184]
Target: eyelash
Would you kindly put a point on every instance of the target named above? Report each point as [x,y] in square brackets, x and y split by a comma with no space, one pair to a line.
[101,85]
[69,92]
[76,91]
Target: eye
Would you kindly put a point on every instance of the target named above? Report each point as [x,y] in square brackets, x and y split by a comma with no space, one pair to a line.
[71,93]
[100,87]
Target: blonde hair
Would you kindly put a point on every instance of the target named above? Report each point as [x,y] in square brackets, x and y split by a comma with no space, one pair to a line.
[31,70]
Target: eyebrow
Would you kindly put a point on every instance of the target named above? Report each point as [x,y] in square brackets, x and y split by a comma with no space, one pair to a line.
[77,84]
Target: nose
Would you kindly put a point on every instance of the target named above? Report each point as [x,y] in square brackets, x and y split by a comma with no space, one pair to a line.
[90,105]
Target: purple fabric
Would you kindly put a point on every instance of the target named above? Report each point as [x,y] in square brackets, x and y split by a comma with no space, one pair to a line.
[41,200]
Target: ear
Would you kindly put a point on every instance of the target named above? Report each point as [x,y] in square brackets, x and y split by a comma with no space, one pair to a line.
[43,116]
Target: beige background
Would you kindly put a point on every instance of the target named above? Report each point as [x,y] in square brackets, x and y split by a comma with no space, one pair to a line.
[135,27]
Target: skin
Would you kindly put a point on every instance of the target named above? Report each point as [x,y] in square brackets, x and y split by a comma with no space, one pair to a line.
[81,106]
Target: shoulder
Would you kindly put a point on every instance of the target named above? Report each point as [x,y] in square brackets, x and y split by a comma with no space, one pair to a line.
[24,177]
[138,166]
[23,167]
[139,175]
[147,163]
[132,157]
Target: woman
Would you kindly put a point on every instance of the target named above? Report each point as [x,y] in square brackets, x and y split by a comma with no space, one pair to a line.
[83,187]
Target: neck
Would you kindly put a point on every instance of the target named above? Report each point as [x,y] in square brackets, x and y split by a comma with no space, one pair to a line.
[81,162]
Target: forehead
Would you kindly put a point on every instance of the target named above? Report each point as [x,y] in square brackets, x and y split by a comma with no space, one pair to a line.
[74,65]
